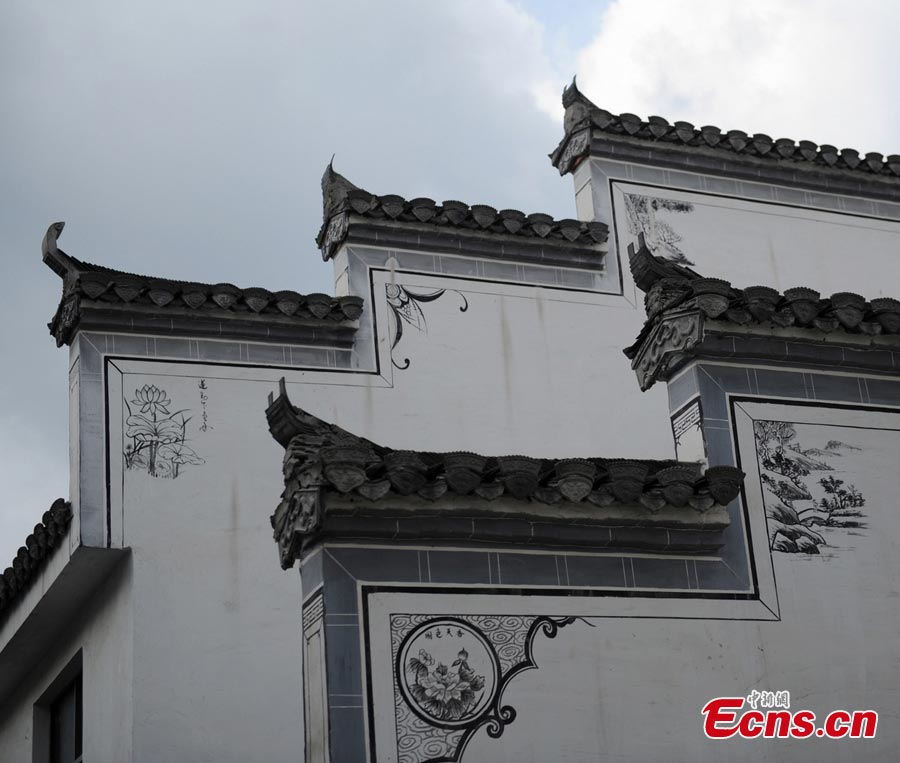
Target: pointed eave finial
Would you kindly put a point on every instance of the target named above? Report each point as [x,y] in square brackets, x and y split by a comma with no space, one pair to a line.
[570,93]
[56,259]
[335,188]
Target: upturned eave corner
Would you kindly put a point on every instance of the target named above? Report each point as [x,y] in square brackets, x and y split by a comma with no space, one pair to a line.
[99,298]
[338,485]
[354,215]
[591,130]
[68,312]
[687,313]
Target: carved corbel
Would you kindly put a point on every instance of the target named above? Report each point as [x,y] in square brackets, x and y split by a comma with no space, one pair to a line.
[577,147]
[298,516]
[335,232]
[669,339]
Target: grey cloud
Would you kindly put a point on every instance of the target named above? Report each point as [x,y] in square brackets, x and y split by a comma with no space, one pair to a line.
[187,140]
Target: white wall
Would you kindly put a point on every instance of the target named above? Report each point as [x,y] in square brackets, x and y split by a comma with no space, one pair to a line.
[104,634]
[615,686]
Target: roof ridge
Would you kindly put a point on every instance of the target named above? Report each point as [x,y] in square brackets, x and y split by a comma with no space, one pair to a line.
[353,453]
[673,293]
[581,114]
[341,198]
[32,556]
[99,285]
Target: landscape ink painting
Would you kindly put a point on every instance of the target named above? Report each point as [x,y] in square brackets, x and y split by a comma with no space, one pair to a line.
[824,485]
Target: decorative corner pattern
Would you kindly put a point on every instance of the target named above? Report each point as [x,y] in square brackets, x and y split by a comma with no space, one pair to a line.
[406,308]
[450,674]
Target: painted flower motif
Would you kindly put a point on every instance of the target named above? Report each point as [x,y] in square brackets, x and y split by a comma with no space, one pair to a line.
[445,693]
[442,685]
[151,399]
[158,437]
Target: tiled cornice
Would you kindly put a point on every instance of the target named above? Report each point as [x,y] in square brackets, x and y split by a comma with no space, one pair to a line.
[116,300]
[328,469]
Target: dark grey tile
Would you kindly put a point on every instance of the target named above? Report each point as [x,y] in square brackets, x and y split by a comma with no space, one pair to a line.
[791,195]
[685,179]
[576,279]
[500,270]
[780,383]
[342,359]
[719,185]
[346,734]
[683,389]
[458,266]
[693,540]
[719,447]
[712,397]
[382,564]
[868,358]
[173,348]
[309,356]
[431,528]
[840,388]
[714,575]
[570,535]
[458,566]
[815,353]
[342,654]
[348,526]
[638,538]
[660,573]
[534,274]
[503,530]
[528,569]
[89,358]
[759,346]
[339,587]
[718,345]
[729,378]
[599,571]
[884,392]
[221,351]
[273,354]
[424,263]
[129,345]
[311,574]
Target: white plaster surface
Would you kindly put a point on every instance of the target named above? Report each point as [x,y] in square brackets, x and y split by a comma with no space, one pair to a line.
[750,242]
[193,652]
[103,632]
[624,685]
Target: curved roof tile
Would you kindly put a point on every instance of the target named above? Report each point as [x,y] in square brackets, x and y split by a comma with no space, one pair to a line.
[583,116]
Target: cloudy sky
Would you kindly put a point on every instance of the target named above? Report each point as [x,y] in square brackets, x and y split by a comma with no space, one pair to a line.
[187,139]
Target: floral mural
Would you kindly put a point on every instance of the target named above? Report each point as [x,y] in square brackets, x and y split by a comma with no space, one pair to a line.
[801,503]
[158,437]
[451,674]
[446,693]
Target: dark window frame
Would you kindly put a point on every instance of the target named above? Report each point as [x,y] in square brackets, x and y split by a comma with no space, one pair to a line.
[63,694]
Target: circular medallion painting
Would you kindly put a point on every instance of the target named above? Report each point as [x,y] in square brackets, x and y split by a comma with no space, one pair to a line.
[447,671]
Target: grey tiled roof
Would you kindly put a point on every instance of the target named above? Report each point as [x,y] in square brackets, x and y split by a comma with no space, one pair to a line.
[352,465]
[342,199]
[31,557]
[685,312]
[582,116]
[669,286]
[86,284]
